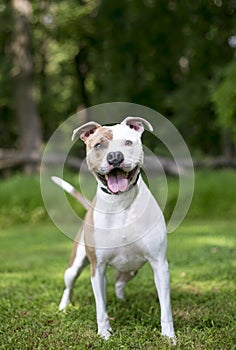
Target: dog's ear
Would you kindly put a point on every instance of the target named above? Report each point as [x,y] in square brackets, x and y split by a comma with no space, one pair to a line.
[84,131]
[137,123]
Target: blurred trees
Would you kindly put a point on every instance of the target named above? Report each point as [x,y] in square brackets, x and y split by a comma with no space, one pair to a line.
[172,56]
[25,108]
[224,99]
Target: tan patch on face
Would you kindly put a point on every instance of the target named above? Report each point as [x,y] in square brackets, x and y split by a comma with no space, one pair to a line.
[101,137]
[102,134]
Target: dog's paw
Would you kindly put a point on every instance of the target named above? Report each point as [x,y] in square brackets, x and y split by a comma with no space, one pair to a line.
[105,333]
[168,331]
[174,340]
[65,301]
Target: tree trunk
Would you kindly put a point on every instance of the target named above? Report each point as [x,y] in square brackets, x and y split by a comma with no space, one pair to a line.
[82,67]
[26,112]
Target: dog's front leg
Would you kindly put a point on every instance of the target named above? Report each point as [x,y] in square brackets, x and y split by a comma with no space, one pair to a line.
[162,282]
[99,282]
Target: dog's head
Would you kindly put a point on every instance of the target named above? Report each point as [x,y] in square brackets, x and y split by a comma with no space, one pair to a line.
[114,153]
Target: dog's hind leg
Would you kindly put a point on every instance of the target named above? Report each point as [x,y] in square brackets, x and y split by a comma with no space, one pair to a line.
[78,262]
[121,279]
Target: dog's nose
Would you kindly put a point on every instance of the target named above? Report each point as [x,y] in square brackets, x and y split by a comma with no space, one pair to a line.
[115,158]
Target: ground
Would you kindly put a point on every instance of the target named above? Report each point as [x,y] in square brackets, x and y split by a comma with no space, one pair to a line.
[201,254]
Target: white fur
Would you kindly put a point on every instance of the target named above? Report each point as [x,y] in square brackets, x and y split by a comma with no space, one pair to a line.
[63,184]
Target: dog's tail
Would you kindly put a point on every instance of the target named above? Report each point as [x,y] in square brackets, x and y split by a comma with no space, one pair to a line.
[72,191]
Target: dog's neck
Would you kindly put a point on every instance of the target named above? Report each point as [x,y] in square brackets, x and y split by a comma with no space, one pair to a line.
[115,203]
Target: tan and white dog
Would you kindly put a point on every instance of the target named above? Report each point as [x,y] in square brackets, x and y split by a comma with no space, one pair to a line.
[124,226]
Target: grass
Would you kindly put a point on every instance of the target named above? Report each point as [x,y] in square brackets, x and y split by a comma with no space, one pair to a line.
[201,253]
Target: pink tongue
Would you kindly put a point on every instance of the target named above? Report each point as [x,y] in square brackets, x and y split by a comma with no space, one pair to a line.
[117,183]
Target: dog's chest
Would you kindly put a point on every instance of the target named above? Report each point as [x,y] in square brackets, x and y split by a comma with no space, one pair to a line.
[116,230]
[123,259]
[123,231]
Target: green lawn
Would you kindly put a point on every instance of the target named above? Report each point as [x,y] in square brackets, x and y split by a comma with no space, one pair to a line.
[33,259]
[34,255]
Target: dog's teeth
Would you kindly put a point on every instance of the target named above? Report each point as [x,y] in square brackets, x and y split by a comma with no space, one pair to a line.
[106,177]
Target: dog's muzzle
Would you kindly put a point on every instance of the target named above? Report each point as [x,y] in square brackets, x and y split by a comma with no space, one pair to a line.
[117,180]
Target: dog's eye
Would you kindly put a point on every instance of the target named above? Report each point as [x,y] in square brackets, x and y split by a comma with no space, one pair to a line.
[128,143]
[98,146]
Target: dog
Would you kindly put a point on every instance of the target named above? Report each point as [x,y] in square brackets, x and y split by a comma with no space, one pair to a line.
[124,226]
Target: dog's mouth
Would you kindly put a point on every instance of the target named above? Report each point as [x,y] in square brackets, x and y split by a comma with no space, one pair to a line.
[117,180]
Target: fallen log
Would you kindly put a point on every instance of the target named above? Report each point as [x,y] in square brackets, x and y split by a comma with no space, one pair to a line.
[15,158]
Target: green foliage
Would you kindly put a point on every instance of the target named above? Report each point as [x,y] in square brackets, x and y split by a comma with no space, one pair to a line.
[21,200]
[224,97]
[163,54]
[213,197]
